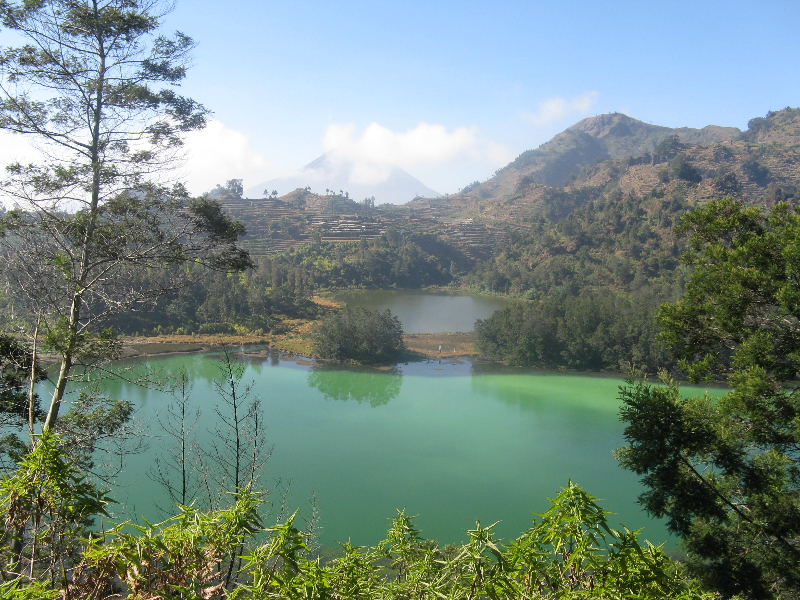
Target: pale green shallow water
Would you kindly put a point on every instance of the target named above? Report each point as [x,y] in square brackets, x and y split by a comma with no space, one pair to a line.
[450,442]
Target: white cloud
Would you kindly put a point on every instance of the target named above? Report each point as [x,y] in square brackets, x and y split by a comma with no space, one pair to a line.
[17,148]
[557,108]
[374,150]
[213,155]
[216,154]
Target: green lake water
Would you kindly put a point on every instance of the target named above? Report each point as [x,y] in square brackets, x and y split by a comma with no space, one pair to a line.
[452,442]
[424,311]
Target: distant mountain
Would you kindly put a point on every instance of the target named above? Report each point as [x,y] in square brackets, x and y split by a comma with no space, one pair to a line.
[614,155]
[394,185]
[669,170]
[591,141]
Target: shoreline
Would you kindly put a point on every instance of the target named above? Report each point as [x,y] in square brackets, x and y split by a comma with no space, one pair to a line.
[418,345]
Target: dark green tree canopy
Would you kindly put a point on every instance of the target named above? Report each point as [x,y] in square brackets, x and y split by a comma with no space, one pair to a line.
[741,309]
[726,472]
[361,335]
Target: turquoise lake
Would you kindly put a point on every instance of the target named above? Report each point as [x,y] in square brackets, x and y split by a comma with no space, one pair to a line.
[453,442]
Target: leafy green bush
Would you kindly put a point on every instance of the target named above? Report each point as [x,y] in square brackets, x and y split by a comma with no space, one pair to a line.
[361,335]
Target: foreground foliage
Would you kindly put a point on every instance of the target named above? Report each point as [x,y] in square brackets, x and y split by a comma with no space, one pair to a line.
[569,552]
[726,473]
[45,505]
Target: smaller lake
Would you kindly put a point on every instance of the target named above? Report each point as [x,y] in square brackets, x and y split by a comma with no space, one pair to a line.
[424,311]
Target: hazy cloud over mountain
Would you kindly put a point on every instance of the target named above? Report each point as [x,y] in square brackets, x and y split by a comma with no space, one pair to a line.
[379,145]
[388,183]
[364,159]
[218,153]
[371,154]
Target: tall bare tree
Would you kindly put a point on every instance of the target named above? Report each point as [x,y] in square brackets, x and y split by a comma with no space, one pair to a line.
[93,87]
[238,451]
[177,471]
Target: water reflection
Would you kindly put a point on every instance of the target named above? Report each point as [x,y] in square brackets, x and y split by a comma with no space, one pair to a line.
[274,357]
[339,383]
[575,397]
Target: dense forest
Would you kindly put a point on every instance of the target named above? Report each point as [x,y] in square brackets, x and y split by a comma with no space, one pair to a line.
[593,281]
[279,287]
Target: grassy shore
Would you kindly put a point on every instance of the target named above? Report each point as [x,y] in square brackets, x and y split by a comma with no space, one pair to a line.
[439,345]
[295,340]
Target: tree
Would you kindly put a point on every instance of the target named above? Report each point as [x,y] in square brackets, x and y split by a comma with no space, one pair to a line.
[361,335]
[175,470]
[238,450]
[235,188]
[726,182]
[667,148]
[99,212]
[17,373]
[726,473]
[683,169]
[755,171]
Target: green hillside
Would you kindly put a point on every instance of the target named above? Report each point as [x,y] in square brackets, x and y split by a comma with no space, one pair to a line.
[614,154]
[597,256]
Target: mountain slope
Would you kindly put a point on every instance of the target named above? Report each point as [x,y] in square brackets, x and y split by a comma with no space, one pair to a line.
[597,257]
[614,155]
[585,144]
[621,136]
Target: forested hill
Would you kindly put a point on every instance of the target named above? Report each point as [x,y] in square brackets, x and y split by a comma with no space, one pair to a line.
[599,255]
[613,154]
[589,141]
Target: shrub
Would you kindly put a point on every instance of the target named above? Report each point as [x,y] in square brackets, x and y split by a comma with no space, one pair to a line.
[683,169]
[756,172]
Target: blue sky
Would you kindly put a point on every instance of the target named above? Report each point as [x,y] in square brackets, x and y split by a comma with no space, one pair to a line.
[451,91]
